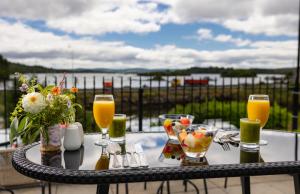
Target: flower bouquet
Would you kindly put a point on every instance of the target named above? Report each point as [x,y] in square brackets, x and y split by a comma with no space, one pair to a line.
[41,111]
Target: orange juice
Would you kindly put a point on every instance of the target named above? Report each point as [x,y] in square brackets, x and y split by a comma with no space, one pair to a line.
[259,109]
[104,112]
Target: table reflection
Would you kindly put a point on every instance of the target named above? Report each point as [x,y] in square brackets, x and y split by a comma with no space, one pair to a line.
[171,151]
[74,159]
[103,162]
[173,154]
[250,156]
[53,159]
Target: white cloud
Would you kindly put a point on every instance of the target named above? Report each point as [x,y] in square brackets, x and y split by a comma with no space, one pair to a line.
[270,17]
[94,17]
[43,9]
[228,38]
[206,34]
[270,25]
[28,46]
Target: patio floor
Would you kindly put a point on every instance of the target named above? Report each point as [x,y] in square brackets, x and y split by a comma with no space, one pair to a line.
[278,184]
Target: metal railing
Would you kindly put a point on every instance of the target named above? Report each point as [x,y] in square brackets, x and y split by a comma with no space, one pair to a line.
[222,101]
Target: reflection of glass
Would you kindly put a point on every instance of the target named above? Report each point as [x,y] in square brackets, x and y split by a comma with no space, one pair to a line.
[187,161]
[171,151]
[249,133]
[52,159]
[118,128]
[125,162]
[103,110]
[250,156]
[172,121]
[73,159]
[196,139]
[103,162]
[258,107]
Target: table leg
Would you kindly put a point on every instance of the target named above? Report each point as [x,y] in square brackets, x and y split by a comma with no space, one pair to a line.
[49,188]
[297,183]
[245,182]
[102,189]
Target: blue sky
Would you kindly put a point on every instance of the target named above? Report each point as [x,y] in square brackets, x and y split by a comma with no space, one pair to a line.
[150,34]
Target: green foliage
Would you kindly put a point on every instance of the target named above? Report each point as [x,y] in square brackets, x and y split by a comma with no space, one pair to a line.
[232,112]
[238,73]
[4,68]
[7,68]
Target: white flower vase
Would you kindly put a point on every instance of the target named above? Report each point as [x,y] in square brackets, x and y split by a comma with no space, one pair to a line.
[80,128]
[72,139]
[54,141]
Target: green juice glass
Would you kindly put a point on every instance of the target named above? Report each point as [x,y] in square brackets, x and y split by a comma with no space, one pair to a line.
[249,133]
[117,129]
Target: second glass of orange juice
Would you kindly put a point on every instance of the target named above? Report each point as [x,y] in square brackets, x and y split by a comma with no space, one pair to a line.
[258,107]
[103,111]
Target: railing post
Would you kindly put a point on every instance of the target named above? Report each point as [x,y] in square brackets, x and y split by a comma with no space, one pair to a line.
[5,106]
[140,108]
[16,99]
[75,85]
[103,87]
[85,105]
[296,87]
[122,108]
[130,101]
[175,94]
[94,93]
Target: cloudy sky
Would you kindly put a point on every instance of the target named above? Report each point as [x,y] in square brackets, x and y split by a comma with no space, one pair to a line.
[150,33]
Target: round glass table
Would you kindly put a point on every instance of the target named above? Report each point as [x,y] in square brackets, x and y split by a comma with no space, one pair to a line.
[165,161]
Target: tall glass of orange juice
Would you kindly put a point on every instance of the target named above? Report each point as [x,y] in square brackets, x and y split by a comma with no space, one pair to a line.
[103,110]
[258,107]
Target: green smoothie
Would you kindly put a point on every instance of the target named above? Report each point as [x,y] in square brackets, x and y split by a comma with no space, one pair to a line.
[118,126]
[249,131]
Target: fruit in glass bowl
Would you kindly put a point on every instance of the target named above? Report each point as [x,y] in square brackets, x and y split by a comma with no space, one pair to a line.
[175,121]
[196,139]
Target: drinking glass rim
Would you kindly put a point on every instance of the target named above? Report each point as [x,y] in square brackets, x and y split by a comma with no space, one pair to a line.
[119,115]
[104,96]
[258,96]
[250,120]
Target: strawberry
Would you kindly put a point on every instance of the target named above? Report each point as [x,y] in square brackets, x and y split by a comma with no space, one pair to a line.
[185,121]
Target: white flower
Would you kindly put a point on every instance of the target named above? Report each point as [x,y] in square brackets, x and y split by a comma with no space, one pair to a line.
[33,102]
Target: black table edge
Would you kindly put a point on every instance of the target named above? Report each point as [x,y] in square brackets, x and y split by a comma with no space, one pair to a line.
[52,174]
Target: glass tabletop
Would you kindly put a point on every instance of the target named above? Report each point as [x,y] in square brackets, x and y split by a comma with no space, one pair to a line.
[161,153]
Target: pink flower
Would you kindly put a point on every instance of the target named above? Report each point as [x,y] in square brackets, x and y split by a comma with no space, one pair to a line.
[24,87]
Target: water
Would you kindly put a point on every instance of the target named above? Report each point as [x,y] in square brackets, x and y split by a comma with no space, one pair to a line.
[136,82]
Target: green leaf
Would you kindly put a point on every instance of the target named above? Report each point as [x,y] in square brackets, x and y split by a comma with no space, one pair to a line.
[78,105]
[13,129]
[39,87]
[34,136]
[48,88]
[23,124]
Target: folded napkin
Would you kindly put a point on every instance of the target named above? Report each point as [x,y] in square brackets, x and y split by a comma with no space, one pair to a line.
[226,136]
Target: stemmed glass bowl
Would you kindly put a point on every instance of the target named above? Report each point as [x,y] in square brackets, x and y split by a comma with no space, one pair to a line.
[196,139]
[172,121]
